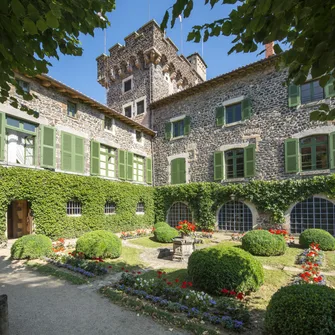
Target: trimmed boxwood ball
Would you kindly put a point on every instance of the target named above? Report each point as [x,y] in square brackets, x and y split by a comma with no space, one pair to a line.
[263,243]
[99,243]
[31,247]
[301,310]
[165,235]
[325,240]
[161,224]
[215,268]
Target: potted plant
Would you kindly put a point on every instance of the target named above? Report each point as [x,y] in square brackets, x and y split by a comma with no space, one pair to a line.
[186,228]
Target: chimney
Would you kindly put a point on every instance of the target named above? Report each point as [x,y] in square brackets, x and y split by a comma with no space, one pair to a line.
[269,51]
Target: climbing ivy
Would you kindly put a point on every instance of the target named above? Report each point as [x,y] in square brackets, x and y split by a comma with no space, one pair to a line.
[269,197]
[48,193]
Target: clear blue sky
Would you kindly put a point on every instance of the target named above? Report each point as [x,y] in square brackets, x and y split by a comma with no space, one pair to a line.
[129,15]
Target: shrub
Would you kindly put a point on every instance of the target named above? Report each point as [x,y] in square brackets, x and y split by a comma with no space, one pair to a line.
[99,243]
[214,268]
[161,224]
[263,243]
[165,235]
[325,240]
[31,247]
[300,310]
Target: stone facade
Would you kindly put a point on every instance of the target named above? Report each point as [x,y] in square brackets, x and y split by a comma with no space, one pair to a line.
[51,103]
[156,70]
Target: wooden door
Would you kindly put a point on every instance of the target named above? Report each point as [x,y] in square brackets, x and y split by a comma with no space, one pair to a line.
[19,218]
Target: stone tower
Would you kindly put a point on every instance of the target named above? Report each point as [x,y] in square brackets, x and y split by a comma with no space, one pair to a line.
[145,69]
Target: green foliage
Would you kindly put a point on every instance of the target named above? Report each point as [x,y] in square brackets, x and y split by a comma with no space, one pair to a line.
[48,193]
[165,235]
[99,243]
[304,26]
[263,243]
[161,224]
[300,310]
[325,240]
[212,269]
[271,197]
[31,247]
[44,29]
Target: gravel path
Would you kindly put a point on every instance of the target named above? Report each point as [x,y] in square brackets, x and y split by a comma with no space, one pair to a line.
[40,305]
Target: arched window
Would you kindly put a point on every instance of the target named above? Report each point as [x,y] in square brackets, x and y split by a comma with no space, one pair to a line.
[178,212]
[235,216]
[73,207]
[314,212]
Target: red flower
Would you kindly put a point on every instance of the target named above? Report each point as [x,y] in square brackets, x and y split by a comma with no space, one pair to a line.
[240,296]
[139,272]
[232,292]
[122,269]
[176,280]
[169,283]
[126,271]
[190,284]
[184,284]
[224,291]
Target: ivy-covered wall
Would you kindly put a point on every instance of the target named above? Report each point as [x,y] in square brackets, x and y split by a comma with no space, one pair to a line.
[48,193]
[271,197]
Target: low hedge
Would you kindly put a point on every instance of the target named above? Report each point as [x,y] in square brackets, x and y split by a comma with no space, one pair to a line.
[263,243]
[325,240]
[31,247]
[212,269]
[165,235]
[99,243]
[161,225]
[301,310]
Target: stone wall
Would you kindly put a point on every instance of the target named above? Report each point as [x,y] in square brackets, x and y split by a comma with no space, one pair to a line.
[88,123]
[271,123]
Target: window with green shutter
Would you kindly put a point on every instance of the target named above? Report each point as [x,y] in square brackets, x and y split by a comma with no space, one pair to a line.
[130,166]
[178,171]
[148,166]
[314,152]
[234,161]
[72,153]
[233,113]
[122,158]
[293,95]
[218,165]
[168,130]
[95,158]
[138,168]
[329,89]
[311,91]
[48,147]
[107,161]
[291,155]
[2,136]
[332,150]
[187,125]
[220,116]
[246,109]
[249,160]
[178,128]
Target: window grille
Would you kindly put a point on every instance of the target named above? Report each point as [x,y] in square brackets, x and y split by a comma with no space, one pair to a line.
[140,208]
[110,207]
[178,212]
[313,212]
[73,207]
[235,216]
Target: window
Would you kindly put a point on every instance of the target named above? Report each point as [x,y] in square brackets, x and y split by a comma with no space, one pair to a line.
[110,207]
[178,212]
[72,153]
[71,109]
[140,107]
[127,84]
[234,113]
[235,216]
[140,208]
[178,128]
[138,168]
[314,152]
[234,163]
[178,171]
[128,111]
[311,91]
[108,123]
[139,136]
[73,208]
[24,85]
[315,212]
[107,161]
[20,125]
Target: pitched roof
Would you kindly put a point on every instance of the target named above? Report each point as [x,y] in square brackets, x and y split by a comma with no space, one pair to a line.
[213,82]
[48,81]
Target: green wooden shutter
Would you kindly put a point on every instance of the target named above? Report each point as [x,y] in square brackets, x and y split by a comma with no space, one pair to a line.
[48,147]
[291,155]
[293,95]
[220,116]
[168,130]
[182,170]
[2,135]
[66,152]
[130,165]
[187,125]
[79,161]
[218,165]
[246,109]
[148,166]
[329,88]
[332,150]
[95,158]
[249,160]
[122,163]
[174,171]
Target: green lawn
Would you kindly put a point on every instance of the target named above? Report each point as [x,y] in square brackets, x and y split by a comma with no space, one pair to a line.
[149,242]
